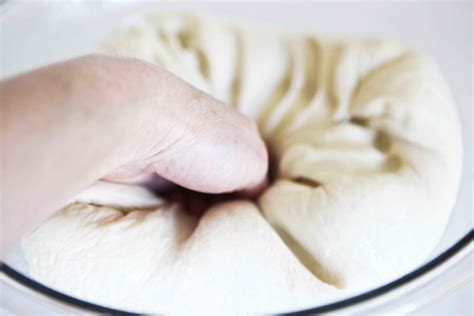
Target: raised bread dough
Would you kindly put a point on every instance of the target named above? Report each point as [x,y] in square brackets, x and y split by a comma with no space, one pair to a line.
[164,260]
[366,147]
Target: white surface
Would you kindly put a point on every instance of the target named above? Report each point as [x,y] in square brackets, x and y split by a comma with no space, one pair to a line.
[16,302]
[441,29]
[459,302]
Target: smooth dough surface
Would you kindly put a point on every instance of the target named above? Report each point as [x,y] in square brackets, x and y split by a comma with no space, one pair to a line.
[366,152]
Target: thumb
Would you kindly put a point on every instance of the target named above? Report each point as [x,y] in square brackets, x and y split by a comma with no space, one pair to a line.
[217,150]
[188,137]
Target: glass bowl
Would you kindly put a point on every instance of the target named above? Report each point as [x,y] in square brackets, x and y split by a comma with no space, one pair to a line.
[41,32]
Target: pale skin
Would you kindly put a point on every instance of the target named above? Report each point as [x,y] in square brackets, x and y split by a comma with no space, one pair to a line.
[67,125]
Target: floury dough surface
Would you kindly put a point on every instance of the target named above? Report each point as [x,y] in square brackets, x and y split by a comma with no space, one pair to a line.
[366,150]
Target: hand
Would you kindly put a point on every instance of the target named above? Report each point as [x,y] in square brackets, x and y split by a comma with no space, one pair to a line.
[69,124]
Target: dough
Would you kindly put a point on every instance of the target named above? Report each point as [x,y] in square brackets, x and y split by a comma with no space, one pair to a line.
[168,261]
[366,149]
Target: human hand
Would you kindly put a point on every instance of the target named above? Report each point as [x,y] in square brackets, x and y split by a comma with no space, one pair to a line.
[72,123]
[177,131]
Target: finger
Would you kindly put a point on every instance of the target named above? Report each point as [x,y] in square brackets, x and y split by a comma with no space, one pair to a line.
[144,177]
[253,191]
[219,151]
[180,132]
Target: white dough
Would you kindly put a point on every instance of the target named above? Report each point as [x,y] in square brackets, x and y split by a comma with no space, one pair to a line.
[367,153]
